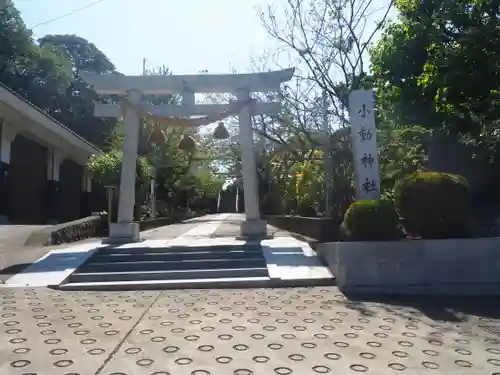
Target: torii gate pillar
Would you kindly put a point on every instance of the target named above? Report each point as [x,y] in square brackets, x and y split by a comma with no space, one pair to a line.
[253,226]
[125,230]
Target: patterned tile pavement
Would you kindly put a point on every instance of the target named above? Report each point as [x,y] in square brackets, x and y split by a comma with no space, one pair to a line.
[243,332]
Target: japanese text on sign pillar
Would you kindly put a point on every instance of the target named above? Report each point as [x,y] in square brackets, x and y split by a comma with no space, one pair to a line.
[364,144]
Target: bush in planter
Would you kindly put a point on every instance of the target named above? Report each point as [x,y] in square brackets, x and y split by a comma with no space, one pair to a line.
[433,204]
[305,208]
[371,220]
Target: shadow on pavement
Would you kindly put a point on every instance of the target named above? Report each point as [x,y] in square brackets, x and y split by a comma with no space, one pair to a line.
[56,260]
[439,308]
[15,268]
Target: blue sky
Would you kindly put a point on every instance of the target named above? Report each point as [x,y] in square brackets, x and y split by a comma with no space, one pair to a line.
[185,35]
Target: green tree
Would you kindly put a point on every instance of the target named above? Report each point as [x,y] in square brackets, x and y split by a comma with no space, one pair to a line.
[105,169]
[78,104]
[16,46]
[438,65]
[39,74]
[47,74]
[84,55]
[401,152]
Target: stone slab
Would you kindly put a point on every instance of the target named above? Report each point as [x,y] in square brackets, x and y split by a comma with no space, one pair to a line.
[14,257]
[207,228]
[123,233]
[290,263]
[54,267]
[304,331]
[50,332]
[253,228]
[231,228]
[426,266]
[290,259]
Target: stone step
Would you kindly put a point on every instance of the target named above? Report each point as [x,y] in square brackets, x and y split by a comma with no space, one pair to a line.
[171,263]
[158,265]
[179,249]
[172,256]
[83,277]
[236,282]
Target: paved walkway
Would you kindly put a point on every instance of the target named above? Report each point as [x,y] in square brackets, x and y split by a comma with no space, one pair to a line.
[287,259]
[279,331]
[243,332]
[12,249]
[231,227]
[14,257]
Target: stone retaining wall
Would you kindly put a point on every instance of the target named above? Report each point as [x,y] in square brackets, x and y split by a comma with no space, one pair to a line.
[447,267]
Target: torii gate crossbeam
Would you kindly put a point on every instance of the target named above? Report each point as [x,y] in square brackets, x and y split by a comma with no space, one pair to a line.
[132,89]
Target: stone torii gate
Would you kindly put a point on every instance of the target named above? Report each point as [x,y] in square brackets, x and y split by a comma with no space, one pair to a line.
[132,107]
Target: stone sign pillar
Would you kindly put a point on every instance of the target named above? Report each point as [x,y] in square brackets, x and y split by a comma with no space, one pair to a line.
[364,144]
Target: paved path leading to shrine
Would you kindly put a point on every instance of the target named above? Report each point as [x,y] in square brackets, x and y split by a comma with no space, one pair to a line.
[12,249]
[286,259]
[243,332]
[282,331]
[14,256]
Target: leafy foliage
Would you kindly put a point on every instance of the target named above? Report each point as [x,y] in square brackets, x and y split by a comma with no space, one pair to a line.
[83,55]
[438,65]
[105,169]
[401,152]
[181,181]
[371,220]
[433,205]
[47,74]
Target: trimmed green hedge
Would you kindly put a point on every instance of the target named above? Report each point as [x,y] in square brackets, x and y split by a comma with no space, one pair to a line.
[371,220]
[433,204]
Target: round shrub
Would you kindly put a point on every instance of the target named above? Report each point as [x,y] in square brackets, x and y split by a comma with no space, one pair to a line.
[433,204]
[371,220]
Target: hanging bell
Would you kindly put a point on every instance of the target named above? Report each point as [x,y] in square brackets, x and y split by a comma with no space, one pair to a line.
[221,132]
[157,136]
[187,143]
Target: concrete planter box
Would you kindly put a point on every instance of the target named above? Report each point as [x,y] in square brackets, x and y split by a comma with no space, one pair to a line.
[434,267]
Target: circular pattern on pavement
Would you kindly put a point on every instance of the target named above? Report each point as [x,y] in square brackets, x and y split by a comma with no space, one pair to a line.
[281,331]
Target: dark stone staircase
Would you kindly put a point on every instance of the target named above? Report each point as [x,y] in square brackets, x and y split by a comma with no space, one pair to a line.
[168,264]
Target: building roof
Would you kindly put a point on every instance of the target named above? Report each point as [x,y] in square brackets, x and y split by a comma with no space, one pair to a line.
[16,101]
